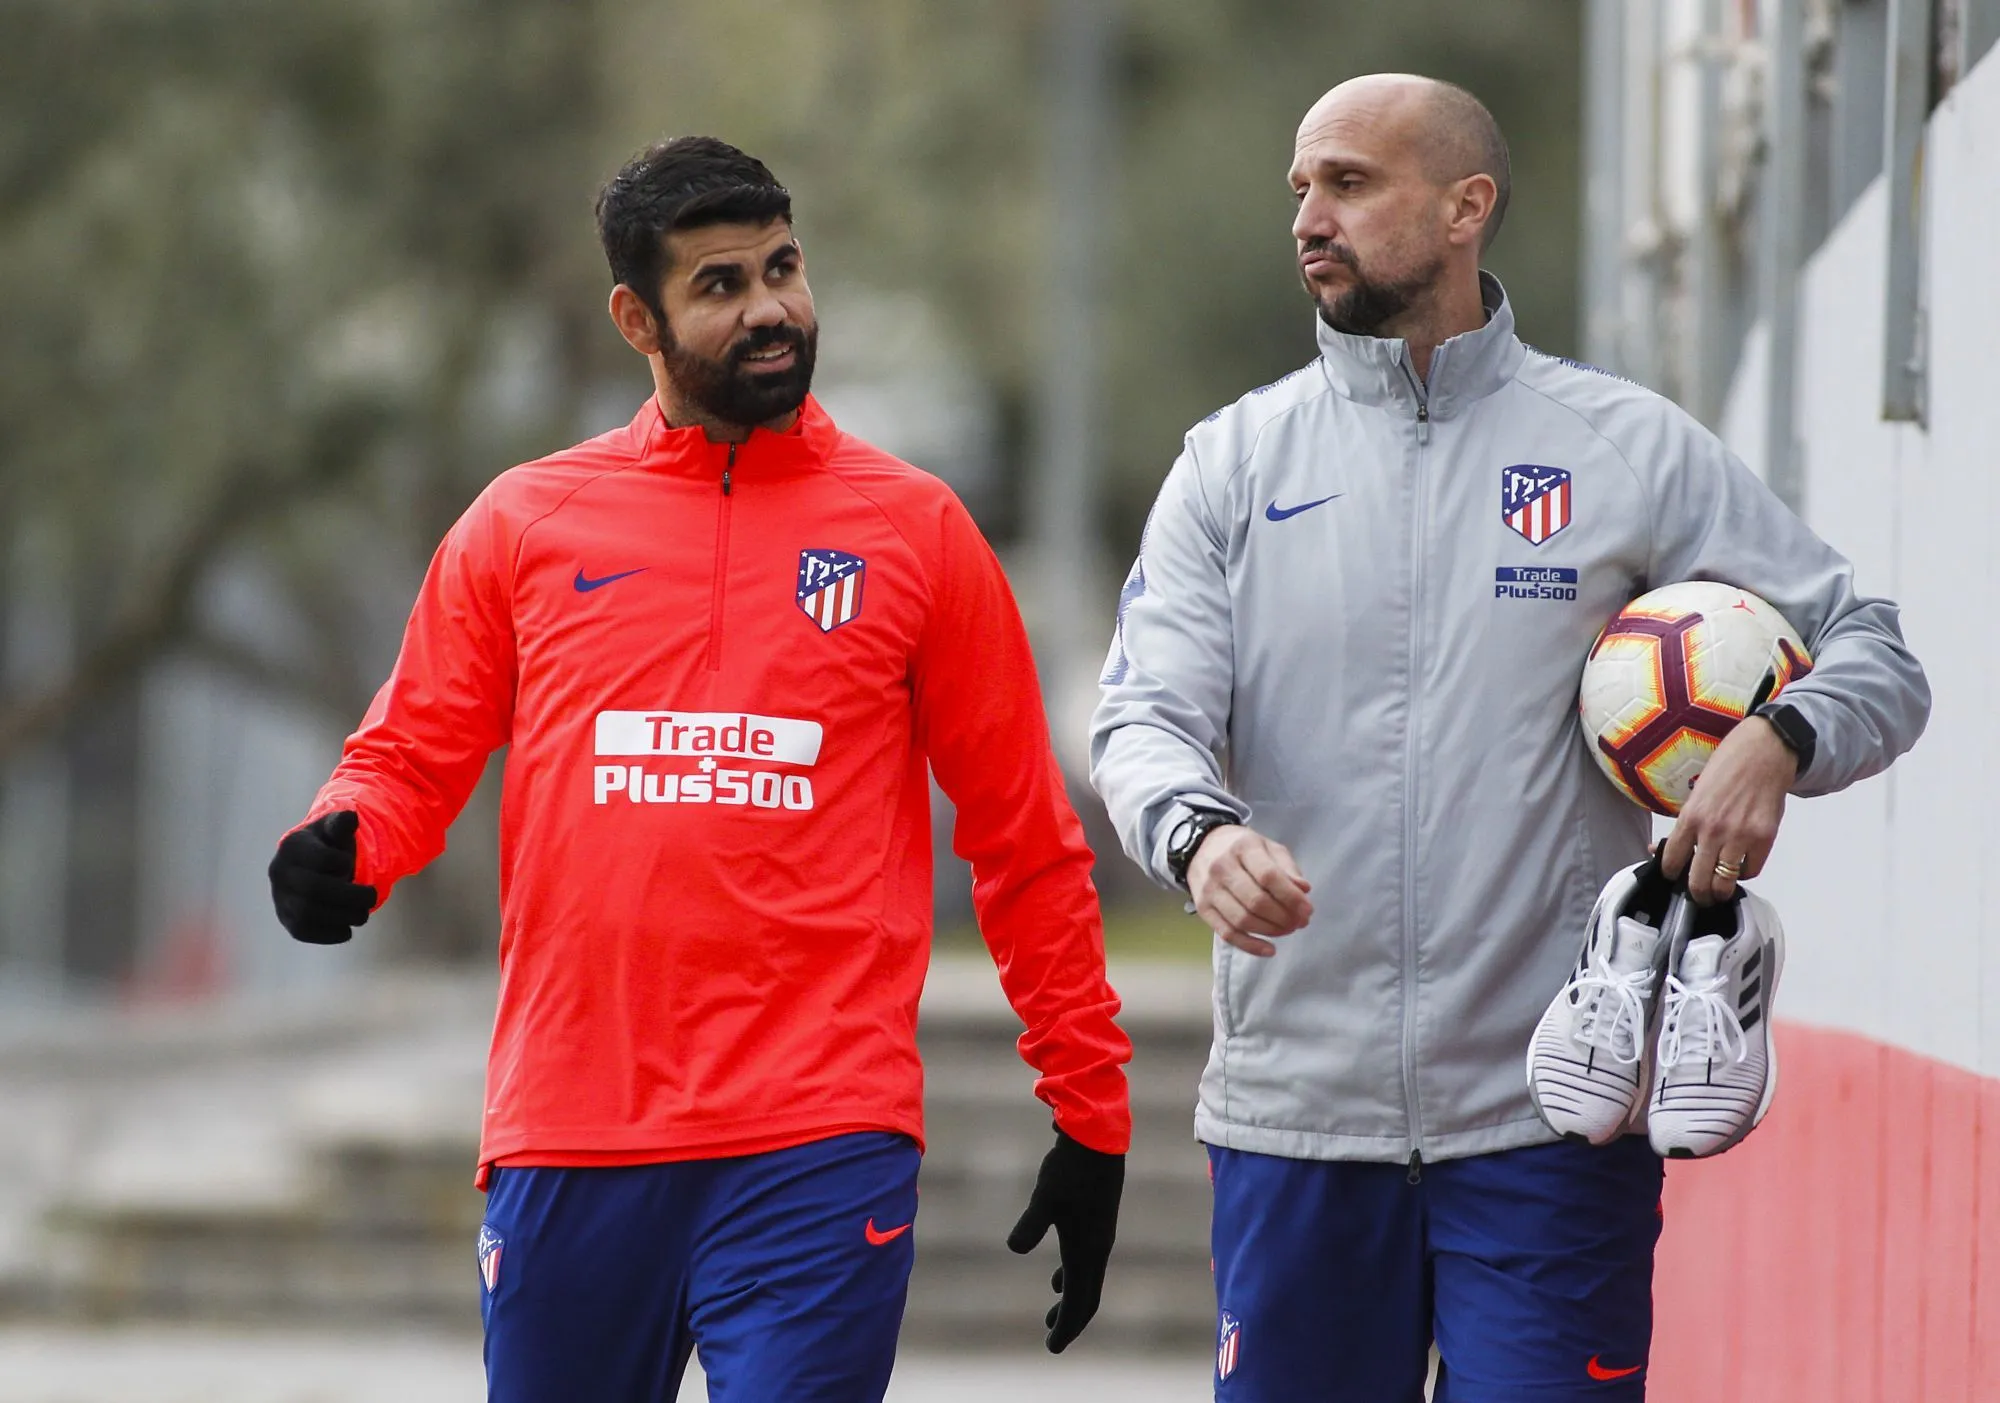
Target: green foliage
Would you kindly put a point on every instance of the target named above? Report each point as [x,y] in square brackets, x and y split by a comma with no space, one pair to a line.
[913,136]
[1151,926]
[254,255]
[1208,304]
[289,244]
[284,283]
[262,263]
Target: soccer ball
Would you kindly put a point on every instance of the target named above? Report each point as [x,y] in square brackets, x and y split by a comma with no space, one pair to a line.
[1672,675]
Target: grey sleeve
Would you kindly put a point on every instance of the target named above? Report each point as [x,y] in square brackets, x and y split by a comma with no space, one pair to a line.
[1163,716]
[1866,696]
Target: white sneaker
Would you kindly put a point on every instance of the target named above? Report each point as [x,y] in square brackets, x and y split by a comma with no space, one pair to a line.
[1717,1066]
[1587,1063]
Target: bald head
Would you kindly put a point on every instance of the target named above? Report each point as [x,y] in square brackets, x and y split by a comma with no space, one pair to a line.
[1446,128]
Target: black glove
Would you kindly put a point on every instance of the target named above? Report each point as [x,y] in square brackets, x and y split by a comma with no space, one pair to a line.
[312,881]
[1077,1194]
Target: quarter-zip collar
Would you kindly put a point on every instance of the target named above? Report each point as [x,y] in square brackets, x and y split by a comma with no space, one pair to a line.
[1470,366]
[765,455]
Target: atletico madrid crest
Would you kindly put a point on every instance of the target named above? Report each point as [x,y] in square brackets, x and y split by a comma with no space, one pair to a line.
[1229,1346]
[1534,500]
[830,584]
[490,1244]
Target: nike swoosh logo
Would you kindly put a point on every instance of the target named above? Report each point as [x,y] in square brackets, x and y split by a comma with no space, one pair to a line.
[877,1238]
[1274,512]
[1598,1371]
[585,585]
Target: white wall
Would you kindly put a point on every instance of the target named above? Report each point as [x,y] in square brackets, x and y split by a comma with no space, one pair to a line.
[1891,891]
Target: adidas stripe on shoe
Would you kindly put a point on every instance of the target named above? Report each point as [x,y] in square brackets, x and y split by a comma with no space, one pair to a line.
[1717,1063]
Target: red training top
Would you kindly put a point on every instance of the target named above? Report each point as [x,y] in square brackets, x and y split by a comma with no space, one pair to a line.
[720,670]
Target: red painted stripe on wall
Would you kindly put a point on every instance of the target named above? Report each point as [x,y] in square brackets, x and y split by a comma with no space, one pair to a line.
[1849,1251]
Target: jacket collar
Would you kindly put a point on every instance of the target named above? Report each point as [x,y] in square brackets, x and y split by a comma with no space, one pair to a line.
[690,452]
[1467,368]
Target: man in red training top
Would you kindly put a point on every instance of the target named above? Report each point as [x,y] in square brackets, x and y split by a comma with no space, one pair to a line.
[721,644]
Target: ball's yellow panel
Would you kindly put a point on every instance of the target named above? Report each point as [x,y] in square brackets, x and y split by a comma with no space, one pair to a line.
[1669,771]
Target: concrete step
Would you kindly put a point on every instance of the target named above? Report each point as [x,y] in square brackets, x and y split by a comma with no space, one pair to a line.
[369,1214]
[1168,1214]
[965,1301]
[410,1256]
[258,1269]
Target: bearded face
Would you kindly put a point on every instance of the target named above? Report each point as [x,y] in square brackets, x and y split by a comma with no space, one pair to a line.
[764,376]
[732,325]
[1372,297]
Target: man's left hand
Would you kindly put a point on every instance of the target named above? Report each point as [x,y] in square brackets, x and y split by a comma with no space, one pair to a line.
[1732,816]
[1077,1194]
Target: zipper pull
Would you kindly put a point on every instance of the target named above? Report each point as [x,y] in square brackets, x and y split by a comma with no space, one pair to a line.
[726,467]
[1416,1174]
[1423,409]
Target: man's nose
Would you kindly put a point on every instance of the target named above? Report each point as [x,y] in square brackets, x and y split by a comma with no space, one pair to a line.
[1315,219]
[764,309]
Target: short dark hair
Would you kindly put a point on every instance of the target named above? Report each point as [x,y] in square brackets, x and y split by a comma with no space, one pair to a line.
[1469,142]
[682,183]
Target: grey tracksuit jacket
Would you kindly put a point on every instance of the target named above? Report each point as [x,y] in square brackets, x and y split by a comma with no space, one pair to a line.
[1335,631]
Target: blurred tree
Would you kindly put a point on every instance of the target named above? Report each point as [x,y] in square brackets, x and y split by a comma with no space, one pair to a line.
[1215,91]
[909,130]
[286,282]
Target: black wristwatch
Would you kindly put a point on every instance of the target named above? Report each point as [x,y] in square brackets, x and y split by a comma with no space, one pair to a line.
[1792,728]
[1186,838]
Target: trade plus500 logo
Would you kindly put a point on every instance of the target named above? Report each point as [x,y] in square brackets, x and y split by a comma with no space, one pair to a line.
[1534,582]
[710,738]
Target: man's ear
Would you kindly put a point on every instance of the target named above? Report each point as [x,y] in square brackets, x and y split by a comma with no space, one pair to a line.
[1473,199]
[635,321]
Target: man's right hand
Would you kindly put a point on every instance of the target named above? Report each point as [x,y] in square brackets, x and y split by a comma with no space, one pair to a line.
[312,881]
[1246,886]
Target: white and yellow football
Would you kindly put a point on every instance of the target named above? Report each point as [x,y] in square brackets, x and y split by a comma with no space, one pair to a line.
[1672,674]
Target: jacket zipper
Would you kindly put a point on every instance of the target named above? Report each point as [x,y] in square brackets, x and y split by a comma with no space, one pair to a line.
[1410,751]
[721,567]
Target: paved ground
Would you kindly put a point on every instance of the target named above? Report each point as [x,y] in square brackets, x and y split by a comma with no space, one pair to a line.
[169,1365]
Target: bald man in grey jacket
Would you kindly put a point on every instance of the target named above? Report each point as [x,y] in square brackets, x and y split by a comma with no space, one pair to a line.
[1340,711]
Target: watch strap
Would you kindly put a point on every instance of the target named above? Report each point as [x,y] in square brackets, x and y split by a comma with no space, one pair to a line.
[1792,728]
[1184,839]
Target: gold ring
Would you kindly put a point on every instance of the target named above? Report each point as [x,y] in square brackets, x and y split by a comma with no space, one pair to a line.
[1730,870]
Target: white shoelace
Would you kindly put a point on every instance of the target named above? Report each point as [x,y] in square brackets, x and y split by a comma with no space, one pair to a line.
[1700,1024]
[1620,1031]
